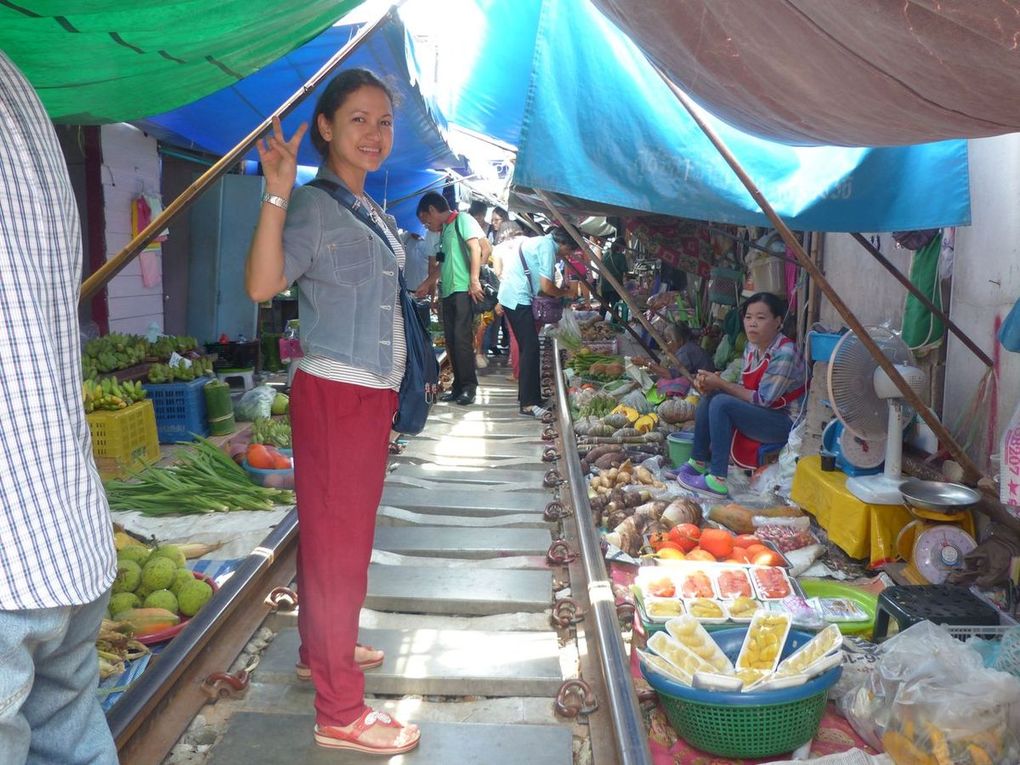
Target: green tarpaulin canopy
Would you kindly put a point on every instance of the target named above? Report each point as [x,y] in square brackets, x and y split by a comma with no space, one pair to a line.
[98,61]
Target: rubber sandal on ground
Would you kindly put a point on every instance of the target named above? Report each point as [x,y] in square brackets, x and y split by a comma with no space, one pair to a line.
[396,448]
[704,485]
[334,737]
[303,672]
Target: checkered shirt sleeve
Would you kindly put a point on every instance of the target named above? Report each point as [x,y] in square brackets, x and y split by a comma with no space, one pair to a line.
[56,546]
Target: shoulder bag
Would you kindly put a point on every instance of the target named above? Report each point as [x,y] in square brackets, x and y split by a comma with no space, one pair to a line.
[545,309]
[487,277]
[420,384]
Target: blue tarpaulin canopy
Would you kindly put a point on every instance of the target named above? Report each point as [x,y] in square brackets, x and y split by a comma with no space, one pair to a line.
[592,120]
[219,121]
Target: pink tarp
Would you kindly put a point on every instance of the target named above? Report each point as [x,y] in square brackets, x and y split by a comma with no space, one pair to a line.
[857,73]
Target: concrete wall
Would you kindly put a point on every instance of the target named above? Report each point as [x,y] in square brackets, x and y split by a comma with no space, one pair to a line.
[130,168]
[985,284]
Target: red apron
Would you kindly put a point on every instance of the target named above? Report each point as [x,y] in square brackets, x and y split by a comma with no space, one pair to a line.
[744,450]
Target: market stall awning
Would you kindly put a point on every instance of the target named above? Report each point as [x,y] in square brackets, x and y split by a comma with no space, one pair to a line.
[219,121]
[99,62]
[598,123]
[868,72]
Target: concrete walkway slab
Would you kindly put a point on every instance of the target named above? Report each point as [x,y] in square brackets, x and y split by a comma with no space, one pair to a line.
[505,479]
[444,662]
[457,593]
[532,463]
[395,516]
[461,542]
[475,448]
[258,738]
[510,562]
[456,500]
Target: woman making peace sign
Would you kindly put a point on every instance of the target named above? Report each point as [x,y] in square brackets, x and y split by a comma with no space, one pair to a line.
[345,391]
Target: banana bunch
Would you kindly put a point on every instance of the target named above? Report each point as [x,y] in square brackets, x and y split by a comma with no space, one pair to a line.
[645,423]
[110,395]
[632,414]
[164,373]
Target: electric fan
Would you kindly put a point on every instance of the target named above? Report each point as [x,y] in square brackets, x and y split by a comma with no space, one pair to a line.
[870,406]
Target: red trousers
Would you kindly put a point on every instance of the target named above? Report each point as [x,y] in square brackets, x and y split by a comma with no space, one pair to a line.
[340,436]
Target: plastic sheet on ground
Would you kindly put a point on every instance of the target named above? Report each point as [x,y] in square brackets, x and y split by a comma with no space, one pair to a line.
[241,531]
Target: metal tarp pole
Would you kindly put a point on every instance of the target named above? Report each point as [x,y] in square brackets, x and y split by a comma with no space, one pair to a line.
[97,280]
[970,469]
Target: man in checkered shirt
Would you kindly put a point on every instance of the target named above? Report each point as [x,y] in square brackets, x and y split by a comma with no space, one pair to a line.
[56,548]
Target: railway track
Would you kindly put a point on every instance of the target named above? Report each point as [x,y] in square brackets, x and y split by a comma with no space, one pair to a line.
[487,592]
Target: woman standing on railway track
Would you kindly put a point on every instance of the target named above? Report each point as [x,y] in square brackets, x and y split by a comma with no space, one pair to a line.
[345,392]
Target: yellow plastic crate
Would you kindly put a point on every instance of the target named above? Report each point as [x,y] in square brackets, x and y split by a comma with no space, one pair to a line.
[121,438]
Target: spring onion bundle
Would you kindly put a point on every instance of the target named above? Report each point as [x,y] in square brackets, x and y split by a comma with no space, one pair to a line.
[203,480]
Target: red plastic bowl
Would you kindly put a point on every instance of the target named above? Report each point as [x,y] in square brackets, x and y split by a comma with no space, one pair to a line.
[163,635]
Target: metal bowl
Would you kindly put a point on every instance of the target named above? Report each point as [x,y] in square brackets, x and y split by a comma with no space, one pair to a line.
[938,497]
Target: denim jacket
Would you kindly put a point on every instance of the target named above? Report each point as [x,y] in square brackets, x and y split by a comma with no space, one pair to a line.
[347,277]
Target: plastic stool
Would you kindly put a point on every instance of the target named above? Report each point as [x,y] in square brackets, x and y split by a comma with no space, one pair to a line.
[937,603]
[246,376]
[767,449]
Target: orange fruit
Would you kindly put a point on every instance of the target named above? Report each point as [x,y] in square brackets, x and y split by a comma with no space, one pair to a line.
[717,542]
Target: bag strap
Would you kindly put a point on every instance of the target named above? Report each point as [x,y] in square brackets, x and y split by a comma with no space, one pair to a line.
[463,244]
[527,271]
[357,208]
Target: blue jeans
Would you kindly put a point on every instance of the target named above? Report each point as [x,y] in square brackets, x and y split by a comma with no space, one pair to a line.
[719,415]
[49,711]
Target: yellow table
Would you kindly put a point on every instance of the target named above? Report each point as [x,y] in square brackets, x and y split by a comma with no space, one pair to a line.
[859,529]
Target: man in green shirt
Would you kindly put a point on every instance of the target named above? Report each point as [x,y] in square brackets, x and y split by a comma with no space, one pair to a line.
[458,275]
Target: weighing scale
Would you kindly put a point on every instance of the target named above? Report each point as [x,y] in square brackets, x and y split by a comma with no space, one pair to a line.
[942,533]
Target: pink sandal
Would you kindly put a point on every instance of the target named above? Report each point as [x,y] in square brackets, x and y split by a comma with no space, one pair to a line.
[333,737]
[303,672]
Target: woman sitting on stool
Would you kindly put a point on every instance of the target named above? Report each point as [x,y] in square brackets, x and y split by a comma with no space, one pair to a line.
[734,419]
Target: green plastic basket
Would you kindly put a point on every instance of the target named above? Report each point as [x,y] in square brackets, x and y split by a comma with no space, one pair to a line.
[746,731]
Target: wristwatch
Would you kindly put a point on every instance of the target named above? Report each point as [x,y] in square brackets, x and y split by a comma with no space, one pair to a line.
[276,201]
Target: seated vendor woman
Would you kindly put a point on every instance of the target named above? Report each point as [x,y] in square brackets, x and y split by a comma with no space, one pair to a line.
[734,419]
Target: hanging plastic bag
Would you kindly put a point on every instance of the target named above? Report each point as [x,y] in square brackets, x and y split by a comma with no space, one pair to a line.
[1009,464]
[929,699]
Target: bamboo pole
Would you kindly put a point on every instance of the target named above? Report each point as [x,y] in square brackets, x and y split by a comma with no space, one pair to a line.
[971,471]
[925,301]
[97,280]
[620,289]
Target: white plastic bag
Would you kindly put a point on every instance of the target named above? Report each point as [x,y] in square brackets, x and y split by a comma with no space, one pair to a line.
[929,698]
[255,403]
[1009,464]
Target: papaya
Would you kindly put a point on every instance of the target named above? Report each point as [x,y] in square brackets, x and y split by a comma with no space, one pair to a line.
[146,621]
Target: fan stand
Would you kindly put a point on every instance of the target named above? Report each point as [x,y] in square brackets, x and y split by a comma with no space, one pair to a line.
[884,489]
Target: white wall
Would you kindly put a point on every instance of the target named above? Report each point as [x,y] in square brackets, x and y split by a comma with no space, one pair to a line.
[130,167]
[986,283]
[865,286]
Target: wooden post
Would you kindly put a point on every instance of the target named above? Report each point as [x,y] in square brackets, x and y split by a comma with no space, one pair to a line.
[971,471]
[925,301]
[620,289]
[113,266]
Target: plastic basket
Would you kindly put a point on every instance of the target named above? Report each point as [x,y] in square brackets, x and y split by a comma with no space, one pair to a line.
[747,725]
[180,409]
[124,438]
[609,347]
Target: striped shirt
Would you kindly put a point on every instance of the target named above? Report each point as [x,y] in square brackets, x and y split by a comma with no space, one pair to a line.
[56,538]
[330,369]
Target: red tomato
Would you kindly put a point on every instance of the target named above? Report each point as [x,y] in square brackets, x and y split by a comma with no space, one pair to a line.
[717,542]
[686,535]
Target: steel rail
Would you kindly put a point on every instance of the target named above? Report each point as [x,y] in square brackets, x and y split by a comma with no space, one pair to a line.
[630,737]
[153,713]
